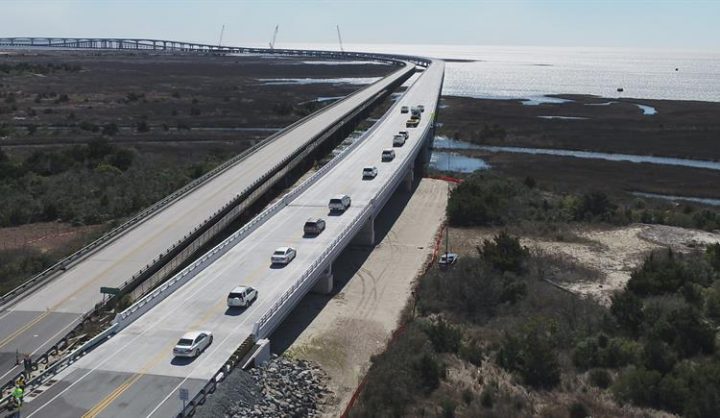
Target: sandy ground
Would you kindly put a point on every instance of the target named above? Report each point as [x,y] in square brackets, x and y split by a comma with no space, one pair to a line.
[44,236]
[342,331]
[609,255]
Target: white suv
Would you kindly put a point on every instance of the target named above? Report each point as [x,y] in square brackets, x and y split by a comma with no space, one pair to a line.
[370,172]
[339,203]
[241,297]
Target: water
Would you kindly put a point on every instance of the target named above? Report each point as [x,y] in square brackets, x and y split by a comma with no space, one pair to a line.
[507,72]
[445,143]
[704,201]
[710,165]
[563,117]
[647,110]
[454,162]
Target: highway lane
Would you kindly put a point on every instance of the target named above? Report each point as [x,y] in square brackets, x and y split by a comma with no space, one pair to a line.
[134,373]
[43,317]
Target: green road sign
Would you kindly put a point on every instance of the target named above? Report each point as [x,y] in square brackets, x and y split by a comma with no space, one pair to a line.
[110,290]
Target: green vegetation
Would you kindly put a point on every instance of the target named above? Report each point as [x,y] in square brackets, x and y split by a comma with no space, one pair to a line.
[87,184]
[25,67]
[527,326]
[655,346]
[486,199]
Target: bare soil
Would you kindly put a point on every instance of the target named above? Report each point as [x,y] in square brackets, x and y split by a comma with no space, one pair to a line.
[607,255]
[44,236]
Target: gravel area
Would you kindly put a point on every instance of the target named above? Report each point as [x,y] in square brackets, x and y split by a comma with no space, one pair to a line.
[280,388]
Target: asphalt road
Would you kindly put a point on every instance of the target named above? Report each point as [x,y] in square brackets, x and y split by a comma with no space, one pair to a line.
[134,374]
[43,317]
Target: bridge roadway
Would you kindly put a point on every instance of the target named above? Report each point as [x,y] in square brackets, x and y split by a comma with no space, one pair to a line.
[43,317]
[134,373]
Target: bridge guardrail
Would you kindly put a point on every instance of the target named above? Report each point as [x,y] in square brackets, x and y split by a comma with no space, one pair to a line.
[60,365]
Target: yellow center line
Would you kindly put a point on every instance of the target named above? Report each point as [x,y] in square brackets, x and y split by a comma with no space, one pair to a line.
[22,329]
[123,387]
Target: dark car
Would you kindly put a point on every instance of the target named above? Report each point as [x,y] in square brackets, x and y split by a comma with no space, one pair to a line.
[314,226]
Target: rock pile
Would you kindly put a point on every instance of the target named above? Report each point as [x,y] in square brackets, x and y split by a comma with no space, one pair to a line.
[279,388]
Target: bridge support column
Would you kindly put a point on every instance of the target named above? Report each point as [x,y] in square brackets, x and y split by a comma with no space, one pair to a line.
[409,178]
[366,235]
[325,283]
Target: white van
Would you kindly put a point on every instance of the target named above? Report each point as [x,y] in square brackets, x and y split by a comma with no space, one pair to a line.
[339,203]
[388,154]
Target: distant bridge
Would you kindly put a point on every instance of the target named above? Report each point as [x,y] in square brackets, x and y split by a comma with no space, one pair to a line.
[160,45]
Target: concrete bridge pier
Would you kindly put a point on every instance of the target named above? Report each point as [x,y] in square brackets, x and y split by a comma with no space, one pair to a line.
[366,235]
[325,282]
[409,179]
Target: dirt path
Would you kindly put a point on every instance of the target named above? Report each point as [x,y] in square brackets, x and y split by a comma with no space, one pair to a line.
[372,288]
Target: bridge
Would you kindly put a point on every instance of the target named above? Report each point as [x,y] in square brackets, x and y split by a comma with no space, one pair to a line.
[133,373]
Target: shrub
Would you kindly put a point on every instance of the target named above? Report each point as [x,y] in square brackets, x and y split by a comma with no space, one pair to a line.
[600,378]
[578,410]
[467,396]
[531,354]
[504,253]
[666,272]
[486,397]
[110,129]
[444,337]
[639,386]
[471,351]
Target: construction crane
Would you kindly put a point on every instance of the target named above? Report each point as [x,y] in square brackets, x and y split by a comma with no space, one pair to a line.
[272,44]
[339,38]
[222,31]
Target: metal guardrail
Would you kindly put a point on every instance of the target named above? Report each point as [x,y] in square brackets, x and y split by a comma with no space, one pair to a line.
[211,385]
[66,262]
[60,365]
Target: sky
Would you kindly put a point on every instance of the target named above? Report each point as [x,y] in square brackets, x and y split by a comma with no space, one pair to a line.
[690,24]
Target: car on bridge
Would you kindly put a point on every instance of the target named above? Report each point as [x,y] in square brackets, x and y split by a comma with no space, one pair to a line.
[339,203]
[370,172]
[406,134]
[404,109]
[388,155]
[283,256]
[398,140]
[241,297]
[412,123]
[193,343]
[314,226]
